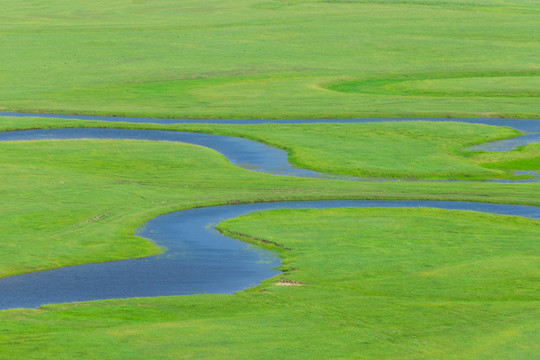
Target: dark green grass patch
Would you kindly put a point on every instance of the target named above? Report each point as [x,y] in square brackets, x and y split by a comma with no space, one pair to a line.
[524,158]
[489,84]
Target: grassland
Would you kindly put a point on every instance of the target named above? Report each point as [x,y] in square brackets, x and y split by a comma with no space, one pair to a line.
[380,283]
[74,202]
[271,59]
[52,190]
[452,292]
[524,158]
[399,150]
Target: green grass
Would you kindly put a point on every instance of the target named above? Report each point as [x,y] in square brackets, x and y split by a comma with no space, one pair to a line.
[271,59]
[52,190]
[524,158]
[385,284]
[399,150]
[74,202]
[381,284]
[476,85]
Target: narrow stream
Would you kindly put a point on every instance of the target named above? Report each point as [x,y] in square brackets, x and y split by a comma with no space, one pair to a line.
[524,125]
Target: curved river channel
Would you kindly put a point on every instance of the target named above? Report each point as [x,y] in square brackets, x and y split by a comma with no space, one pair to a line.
[200,260]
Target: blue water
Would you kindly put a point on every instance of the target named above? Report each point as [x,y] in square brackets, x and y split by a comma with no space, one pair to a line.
[245,153]
[507,144]
[525,125]
[199,259]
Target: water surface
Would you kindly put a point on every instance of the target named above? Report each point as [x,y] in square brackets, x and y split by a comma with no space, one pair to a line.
[199,259]
[245,153]
[525,125]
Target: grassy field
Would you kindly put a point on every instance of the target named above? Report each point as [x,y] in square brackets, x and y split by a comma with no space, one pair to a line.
[379,284]
[399,150]
[271,58]
[374,283]
[51,191]
[524,158]
[453,292]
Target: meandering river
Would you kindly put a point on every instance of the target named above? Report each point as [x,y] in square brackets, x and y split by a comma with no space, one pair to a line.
[200,260]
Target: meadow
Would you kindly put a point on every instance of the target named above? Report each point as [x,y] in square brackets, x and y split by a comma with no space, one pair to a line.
[455,285]
[388,150]
[368,283]
[51,190]
[356,283]
[271,59]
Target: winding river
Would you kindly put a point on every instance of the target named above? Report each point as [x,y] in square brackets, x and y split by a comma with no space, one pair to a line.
[200,260]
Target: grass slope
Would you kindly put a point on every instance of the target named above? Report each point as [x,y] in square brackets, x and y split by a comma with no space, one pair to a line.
[382,283]
[271,58]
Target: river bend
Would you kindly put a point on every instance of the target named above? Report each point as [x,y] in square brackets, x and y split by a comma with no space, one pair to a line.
[200,260]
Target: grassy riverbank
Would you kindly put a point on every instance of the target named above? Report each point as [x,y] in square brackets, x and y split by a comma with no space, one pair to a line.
[72,202]
[380,283]
[271,59]
[399,150]
[375,283]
